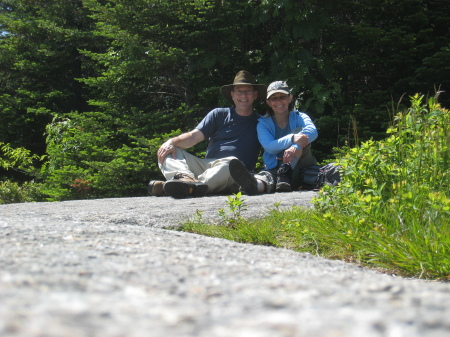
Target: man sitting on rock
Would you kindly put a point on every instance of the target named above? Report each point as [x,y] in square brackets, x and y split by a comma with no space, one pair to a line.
[232,136]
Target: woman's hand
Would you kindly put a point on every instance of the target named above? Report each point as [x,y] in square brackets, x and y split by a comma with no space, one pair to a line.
[289,155]
[300,139]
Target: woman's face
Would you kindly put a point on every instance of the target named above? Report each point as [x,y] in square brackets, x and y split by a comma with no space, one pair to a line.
[279,102]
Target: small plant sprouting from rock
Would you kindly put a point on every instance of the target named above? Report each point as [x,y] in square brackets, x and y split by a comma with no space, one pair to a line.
[236,205]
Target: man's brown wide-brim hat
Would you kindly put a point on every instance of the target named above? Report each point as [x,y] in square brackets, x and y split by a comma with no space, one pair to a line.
[243,78]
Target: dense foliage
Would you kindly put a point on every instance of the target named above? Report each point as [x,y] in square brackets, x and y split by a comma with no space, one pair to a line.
[96,86]
[393,204]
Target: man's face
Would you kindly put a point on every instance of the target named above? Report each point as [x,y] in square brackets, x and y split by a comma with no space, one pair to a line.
[244,95]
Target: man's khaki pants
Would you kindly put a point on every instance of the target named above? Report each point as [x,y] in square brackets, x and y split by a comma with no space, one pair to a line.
[213,172]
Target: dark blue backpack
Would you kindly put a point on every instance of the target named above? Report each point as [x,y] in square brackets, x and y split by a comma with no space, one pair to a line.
[315,176]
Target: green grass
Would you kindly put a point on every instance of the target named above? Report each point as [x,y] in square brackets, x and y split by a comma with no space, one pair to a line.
[391,210]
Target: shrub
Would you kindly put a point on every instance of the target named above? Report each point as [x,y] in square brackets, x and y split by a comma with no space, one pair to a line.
[395,194]
[89,156]
[13,192]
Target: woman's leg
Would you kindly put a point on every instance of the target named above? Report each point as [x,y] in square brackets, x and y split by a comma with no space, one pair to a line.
[306,159]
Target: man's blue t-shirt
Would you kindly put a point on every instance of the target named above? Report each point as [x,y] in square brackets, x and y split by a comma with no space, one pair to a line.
[230,134]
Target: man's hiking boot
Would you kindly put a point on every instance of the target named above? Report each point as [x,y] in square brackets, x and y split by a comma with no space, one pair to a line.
[183,186]
[156,188]
[284,175]
[243,177]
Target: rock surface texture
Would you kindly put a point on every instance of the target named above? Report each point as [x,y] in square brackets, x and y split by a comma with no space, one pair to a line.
[110,268]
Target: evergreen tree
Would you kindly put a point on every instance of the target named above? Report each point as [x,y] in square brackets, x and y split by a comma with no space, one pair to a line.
[164,59]
[40,65]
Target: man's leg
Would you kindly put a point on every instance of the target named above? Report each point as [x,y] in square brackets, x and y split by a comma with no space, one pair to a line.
[183,162]
[245,179]
[182,174]
[217,175]
[268,177]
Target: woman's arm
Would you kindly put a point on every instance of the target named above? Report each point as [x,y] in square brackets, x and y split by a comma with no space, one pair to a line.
[267,139]
[308,127]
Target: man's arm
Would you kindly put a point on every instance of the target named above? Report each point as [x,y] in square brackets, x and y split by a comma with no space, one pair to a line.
[183,141]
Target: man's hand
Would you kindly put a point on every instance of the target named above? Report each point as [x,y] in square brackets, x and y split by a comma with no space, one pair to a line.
[300,139]
[166,149]
[183,141]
